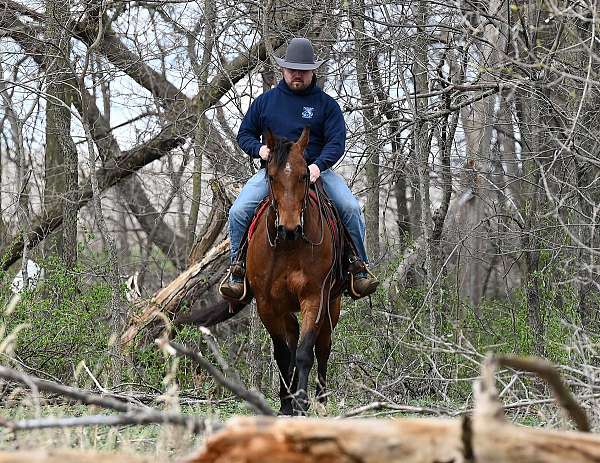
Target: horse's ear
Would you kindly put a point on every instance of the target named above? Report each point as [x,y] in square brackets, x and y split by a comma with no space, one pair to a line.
[270,138]
[303,140]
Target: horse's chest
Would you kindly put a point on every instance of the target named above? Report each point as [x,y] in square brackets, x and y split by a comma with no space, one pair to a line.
[282,284]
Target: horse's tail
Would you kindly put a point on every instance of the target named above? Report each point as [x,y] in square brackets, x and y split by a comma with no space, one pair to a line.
[210,316]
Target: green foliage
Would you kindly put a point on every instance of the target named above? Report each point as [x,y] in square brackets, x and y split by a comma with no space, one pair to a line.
[384,347]
[65,319]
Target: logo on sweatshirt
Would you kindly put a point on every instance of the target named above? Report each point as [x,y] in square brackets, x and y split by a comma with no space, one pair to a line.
[307,112]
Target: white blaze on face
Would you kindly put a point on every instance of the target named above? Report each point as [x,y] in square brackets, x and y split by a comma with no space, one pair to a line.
[288,168]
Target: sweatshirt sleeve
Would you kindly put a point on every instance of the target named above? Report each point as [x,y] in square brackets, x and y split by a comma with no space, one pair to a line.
[251,129]
[335,136]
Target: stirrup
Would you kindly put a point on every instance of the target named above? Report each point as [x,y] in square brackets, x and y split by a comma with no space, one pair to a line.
[357,266]
[245,295]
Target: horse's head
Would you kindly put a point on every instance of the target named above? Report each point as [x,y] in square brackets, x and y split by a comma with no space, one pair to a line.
[288,177]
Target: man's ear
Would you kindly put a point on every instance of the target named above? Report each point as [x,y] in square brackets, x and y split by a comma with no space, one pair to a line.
[303,140]
[270,139]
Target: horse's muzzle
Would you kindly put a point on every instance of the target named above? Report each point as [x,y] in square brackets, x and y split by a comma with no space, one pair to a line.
[285,234]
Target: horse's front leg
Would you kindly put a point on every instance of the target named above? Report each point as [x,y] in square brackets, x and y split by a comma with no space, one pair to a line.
[284,334]
[283,357]
[305,356]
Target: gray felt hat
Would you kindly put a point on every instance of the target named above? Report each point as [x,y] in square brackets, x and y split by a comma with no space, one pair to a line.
[299,55]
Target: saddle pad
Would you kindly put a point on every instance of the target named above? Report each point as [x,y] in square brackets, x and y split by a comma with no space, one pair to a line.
[260,210]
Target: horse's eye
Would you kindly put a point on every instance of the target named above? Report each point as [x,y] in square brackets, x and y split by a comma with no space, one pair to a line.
[304,178]
[270,178]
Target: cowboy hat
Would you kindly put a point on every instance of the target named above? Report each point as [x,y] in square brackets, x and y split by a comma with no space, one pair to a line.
[299,55]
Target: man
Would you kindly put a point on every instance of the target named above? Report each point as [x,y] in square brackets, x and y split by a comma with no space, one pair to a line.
[286,109]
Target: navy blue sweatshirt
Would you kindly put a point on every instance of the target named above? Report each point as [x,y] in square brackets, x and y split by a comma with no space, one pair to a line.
[286,113]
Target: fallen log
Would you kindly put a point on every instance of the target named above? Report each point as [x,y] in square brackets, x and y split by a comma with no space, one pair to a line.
[182,291]
[483,437]
[408,440]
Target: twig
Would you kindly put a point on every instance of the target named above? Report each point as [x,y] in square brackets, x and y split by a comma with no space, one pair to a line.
[214,348]
[546,371]
[146,414]
[391,406]
[193,424]
[77,394]
[257,401]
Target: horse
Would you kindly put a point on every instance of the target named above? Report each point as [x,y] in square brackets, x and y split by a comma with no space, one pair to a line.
[289,266]
[293,266]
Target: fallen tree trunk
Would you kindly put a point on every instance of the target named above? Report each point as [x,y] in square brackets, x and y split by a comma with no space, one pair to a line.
[269,440]
[163,306]
[485,437]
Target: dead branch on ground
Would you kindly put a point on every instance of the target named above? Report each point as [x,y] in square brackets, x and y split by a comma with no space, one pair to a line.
[187,287]
[145,414]
[256,400]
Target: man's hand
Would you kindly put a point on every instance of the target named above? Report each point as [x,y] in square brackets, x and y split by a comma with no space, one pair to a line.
[315,172]
[264,152]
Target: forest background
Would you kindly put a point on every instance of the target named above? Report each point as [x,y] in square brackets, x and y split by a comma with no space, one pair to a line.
[472,146]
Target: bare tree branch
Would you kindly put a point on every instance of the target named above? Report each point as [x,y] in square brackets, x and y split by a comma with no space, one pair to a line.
[171,137]
[256,400]
[547,372]
[145,414]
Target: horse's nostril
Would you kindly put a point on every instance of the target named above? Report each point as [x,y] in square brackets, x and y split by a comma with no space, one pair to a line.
[281,233]
[298,232]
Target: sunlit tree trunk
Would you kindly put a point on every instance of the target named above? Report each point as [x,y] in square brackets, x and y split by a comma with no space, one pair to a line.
[21,198]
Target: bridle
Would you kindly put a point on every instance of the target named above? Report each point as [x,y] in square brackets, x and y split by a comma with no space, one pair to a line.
[273,207]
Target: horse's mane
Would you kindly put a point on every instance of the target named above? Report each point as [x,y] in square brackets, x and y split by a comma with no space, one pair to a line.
[281,151]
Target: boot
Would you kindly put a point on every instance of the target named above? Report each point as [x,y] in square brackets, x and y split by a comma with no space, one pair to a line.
[362,282]
[234,288]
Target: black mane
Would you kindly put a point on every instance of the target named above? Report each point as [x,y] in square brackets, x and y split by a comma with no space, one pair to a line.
[281,151]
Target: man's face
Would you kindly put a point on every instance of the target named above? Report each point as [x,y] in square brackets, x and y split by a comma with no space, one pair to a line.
[297,80]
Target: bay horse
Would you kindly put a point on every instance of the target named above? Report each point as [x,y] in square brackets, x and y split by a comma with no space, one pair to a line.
[290,268]
[293,266]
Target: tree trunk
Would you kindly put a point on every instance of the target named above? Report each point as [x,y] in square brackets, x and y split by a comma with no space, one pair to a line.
[422,146]
[201,134]
[530,123]
[60,188]
[21,197]
[370,123]
[2,223]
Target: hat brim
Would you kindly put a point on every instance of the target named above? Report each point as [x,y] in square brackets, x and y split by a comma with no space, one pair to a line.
[299,66]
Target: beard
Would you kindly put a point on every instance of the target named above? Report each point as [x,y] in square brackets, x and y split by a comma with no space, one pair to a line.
[298,85]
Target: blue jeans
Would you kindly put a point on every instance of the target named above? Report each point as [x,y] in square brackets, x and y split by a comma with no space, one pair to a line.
[256,190]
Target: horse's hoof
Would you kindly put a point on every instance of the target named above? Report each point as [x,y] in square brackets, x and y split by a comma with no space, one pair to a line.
[301,410]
